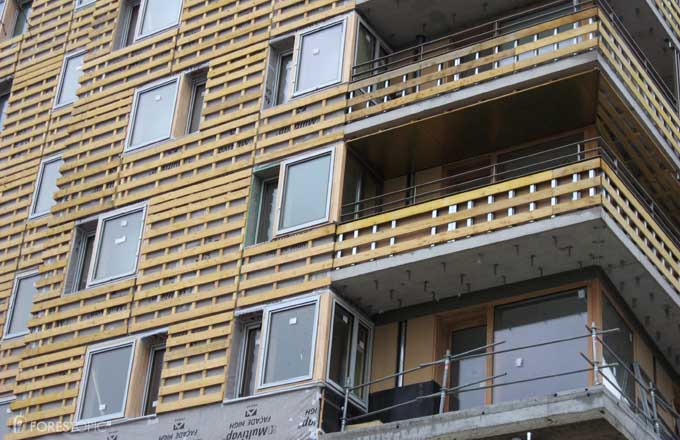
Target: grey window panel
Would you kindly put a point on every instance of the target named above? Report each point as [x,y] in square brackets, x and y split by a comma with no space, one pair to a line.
[132,16]
[534,321]
[621,343]
[5,414]
[305,197]
[118,245]
[81,3]
[341,346]
[24,10]
[289,345]
[160,14]
[284,78]
[107,383]
[4,100]
[468,370]
[47,186]
[267,211]
[320,58]
[70,80]
[198,96]
[249,362]
[154,380]
[361,357]
[20,312]
[153,115]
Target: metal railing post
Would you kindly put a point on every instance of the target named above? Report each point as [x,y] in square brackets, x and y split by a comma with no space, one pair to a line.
[655,415]
[445,379]
[596,361]
[343,423]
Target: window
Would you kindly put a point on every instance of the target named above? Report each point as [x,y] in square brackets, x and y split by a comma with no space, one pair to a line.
[23,12]
[153,379]
[262,211]
[315,63]
[106,378]
[369,47]
[320,58]
[349,350]
[534,321]
[468,370]
[83,3]
[5,415]
[152,114]
[166,109]
[4,101]
[46,186]
[290,338]
[250,351]
[81,257]
[20,303]
[142,18]
[105,248]
[69,81]
[198,83]
[117,245]
[129,16]
[617,380]
[305,198]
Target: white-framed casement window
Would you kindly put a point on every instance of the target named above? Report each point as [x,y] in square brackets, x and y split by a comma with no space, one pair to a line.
[5,415]
[139,19]
[289,330]
[117,243]
[350,348]
[106,389]
[305,195]
[153,113]
[20,303]
[309,60]
[69,80]
[106,380]
[368,47]
[249,354]
[290,195]
[46,186]
[83,3]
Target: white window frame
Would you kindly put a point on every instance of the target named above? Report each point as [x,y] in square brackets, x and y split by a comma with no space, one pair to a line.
[245,329]
[266,321]
[133,116]
[153,352]
[86,375]
[10,308]
[140,21]
[358,319]
[36,190]
[97,242]
[62,75]
[79,4]
[298,55]
[282,189]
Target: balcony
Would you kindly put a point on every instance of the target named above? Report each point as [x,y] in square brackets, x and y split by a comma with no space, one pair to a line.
[519,52]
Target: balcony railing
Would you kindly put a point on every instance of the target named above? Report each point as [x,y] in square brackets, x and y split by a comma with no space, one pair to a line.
[588,178]
[645,401]
[506,46]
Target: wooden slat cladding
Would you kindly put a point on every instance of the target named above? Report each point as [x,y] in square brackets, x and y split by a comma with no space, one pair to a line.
[194,267]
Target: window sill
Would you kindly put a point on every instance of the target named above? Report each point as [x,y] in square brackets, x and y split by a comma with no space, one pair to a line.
[86,426]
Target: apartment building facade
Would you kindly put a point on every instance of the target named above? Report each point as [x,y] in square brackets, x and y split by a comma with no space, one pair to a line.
[353,219]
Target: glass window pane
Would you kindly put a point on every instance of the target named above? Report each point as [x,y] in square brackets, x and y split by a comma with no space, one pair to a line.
[284,79]
[267,211]
[23,13]
[160,14]
[118,243]
[196,107]
[47,186]
[153,115]
[365,49]
[251,351]
[341,346]
[5,414]
[469,370]
[132,18]
[107,383]
[621,345]
[320,58]
[154,379]
[70,80]
[85,261]
[361,359]
[305,197]
[289,348]
[540,320]
[4,100]
[21,305]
